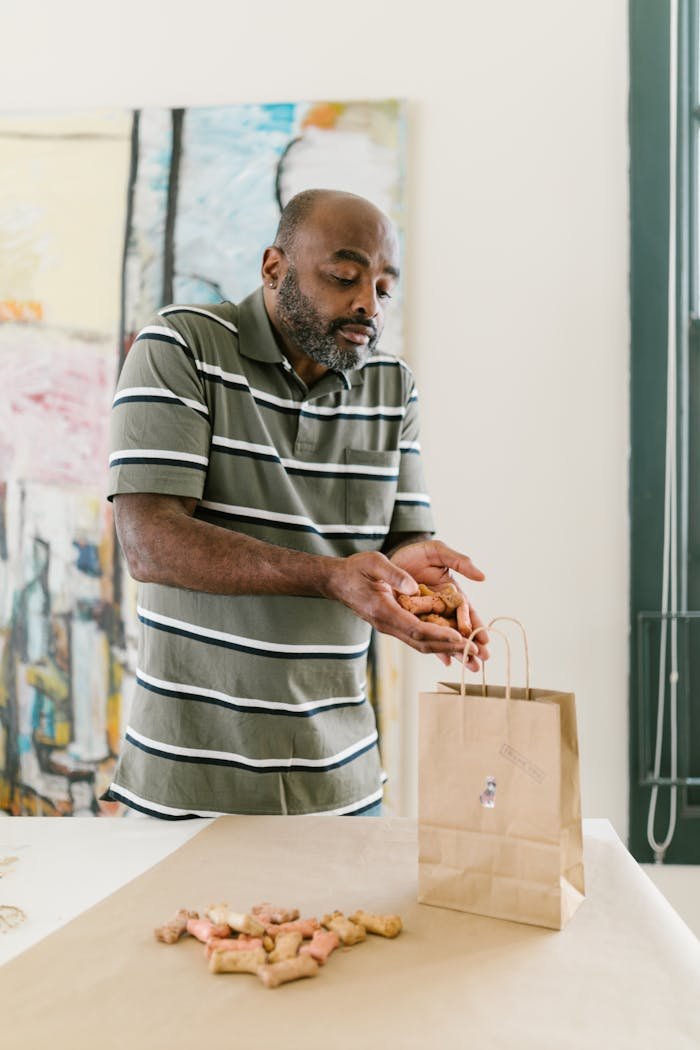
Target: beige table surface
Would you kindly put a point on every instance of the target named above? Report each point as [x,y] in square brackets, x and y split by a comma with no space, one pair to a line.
[624,974]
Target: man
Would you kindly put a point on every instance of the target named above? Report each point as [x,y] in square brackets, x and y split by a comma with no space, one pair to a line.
[268,496]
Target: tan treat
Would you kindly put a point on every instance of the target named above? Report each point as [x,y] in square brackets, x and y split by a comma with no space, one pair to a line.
[440,620]
[268,943]
[172,930]
[451,597]
[306,927]
[288,970]
[424,589]
[416,604]
[321,945]
[245,923]
[286,946]
[223,961]
[217,913]
[204,929]
[463,625]
[349,932]
[230,944]
[267,913]
[384,925]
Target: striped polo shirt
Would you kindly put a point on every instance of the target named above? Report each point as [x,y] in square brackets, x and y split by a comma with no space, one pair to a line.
[257,703]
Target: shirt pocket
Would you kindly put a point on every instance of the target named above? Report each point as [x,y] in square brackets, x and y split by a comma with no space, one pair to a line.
[370,486]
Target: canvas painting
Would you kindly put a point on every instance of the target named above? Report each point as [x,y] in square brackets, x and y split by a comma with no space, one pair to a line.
[106,216]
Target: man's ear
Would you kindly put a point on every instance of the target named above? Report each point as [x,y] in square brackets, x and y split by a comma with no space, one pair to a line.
[274,266]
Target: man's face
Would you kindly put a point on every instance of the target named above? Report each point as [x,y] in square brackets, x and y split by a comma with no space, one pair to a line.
[331,301]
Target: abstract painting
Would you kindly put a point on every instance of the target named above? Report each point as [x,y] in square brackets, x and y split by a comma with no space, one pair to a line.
[105,216]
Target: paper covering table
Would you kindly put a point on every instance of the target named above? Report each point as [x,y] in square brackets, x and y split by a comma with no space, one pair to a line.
[624,974]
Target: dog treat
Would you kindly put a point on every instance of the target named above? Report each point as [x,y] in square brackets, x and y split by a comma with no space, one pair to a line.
[463,625]
[204,929]
[349,932]
[419,604]
[306,927]
[231,944]
[245,923]
[286,951]
[223,961]
[172,930]
[286,946]
[321,945]
[446,607]
[288,970]
[217,913]
[267,913]
[451,597]
[384,925]
[442,621]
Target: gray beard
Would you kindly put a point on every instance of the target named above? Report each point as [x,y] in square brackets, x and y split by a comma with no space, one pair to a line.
[300,322]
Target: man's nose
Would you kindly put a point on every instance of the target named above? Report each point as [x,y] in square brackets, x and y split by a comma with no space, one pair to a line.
[366,300]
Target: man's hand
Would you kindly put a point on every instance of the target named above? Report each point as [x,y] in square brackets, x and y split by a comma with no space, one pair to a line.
[429,562]
[367,582]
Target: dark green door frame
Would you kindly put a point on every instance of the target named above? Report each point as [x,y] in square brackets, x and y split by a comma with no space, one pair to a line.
[649,22]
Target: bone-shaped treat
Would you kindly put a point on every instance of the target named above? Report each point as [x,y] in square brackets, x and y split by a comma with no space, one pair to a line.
[238,944]
[205,929]
[287,970]
[268,913]
[306,927]
[349,932]
[321,945]
[286,946]
[223,961]
[384,925]
[172,930]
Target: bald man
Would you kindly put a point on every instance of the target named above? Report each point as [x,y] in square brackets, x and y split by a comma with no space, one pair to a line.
[269,499]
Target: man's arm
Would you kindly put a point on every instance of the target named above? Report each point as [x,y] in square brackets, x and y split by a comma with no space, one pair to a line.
[163,543]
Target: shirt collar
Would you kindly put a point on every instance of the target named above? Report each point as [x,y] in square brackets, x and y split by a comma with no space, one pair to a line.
[257,341]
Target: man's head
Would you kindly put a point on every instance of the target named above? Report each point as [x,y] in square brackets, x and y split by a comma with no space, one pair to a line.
[329,276]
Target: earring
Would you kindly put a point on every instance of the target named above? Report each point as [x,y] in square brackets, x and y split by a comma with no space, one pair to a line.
[272,284]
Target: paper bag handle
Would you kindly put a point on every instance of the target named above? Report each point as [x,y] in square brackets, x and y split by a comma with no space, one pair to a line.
[490,627]
[465,654]
[512,619]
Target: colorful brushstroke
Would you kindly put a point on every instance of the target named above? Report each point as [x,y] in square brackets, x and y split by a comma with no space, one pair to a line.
[104,217]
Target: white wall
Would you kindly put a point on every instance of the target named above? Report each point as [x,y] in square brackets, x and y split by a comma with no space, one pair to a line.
[517,270]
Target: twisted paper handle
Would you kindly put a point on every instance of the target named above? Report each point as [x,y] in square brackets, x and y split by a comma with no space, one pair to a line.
[465,654]
[490,628]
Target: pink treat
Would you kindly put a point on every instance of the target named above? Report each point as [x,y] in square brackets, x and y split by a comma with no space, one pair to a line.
[321,945]
[232,944]
[306,927]
[204,930]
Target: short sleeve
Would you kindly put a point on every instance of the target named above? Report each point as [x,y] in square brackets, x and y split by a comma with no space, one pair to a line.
[160,426]
[412,511]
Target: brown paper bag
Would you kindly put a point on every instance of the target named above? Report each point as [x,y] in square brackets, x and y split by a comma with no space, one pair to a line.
[499,801]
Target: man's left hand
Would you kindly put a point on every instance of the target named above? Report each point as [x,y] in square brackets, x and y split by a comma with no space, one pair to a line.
[430,562]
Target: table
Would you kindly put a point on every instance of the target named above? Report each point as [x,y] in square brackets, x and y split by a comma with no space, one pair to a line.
[624,974]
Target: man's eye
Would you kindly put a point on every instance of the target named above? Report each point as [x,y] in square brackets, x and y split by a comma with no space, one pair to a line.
[345,281]
[383,294]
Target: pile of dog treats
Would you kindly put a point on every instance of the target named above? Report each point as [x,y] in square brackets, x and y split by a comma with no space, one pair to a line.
[272,942]
[445,607]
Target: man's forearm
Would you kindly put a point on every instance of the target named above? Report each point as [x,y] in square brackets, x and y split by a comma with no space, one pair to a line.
[166,545]
[163,543]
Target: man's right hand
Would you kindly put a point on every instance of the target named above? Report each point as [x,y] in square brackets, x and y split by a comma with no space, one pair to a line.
[366,584]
